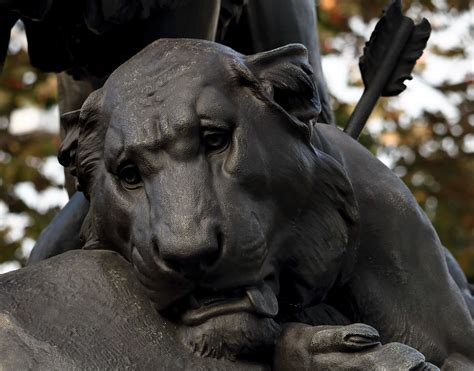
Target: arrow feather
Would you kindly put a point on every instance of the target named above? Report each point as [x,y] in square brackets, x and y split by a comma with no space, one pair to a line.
[380,41]
[388,60]
[410,54]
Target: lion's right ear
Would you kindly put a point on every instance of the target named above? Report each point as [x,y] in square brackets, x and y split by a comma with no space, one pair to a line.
[90,142]
[68,147]
[287,78]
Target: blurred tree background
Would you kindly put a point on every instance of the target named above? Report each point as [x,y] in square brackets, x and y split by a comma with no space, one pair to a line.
[31,182]
[426,135]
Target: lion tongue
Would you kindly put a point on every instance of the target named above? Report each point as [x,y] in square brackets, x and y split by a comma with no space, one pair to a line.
[263,299]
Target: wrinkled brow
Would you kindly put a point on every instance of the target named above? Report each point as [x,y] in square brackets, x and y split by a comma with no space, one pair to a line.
[129,142]
[133,138]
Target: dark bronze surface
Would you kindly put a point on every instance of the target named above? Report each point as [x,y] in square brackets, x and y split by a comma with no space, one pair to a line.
[242,216]
[252,235]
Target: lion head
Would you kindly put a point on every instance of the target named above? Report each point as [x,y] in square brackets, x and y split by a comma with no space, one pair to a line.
[199,168]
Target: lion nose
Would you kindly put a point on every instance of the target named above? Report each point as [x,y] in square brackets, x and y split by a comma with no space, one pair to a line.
[192,255]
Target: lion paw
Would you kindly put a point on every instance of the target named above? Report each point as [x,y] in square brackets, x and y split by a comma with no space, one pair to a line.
[352,347]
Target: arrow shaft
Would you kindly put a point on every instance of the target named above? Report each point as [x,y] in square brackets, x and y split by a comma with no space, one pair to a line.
[372,93]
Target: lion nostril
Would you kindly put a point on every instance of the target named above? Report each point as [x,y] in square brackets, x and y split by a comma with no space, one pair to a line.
[192,261]
[167,259]
[173,265]
[209,260]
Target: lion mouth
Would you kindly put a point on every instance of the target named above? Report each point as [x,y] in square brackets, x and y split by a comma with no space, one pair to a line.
[205,304]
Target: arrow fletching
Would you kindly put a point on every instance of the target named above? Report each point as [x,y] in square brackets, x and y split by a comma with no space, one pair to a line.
[388,60]
[381,41]
[410,54]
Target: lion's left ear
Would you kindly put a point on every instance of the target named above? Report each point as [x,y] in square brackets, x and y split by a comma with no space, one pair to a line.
[287,78]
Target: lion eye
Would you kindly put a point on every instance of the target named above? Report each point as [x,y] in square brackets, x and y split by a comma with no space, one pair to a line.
[130,175]
[215,140]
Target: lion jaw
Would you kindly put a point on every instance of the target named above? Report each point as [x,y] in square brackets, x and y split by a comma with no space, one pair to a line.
[231,336]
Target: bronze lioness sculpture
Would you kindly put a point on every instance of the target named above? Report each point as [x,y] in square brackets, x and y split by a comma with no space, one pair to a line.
[207,170]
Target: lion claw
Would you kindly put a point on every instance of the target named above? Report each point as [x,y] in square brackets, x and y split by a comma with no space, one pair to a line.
[352,347]
[355,337]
